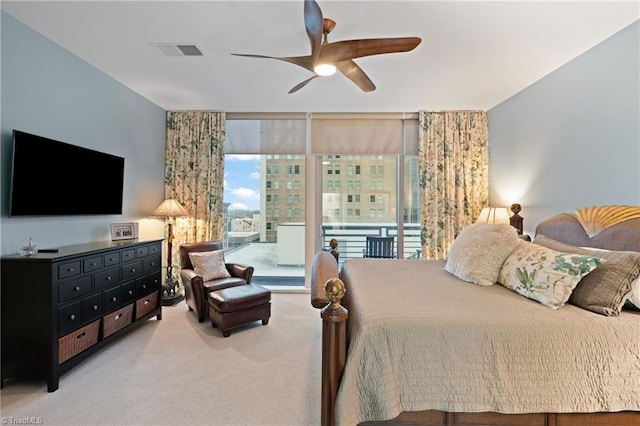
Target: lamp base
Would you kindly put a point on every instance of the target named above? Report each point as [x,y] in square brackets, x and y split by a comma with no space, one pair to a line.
[170,292]
[172,300]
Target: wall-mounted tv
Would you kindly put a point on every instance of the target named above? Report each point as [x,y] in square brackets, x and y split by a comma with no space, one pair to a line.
[53,178]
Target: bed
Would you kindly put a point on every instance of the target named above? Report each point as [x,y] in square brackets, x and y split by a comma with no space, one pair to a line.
[410,343]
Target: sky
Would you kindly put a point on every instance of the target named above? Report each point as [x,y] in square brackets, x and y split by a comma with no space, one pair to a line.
[242,182]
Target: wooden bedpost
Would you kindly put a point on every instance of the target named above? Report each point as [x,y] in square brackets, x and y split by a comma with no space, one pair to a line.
[334,317]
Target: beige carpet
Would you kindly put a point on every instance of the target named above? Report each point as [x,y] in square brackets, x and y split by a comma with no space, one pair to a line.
[180,372]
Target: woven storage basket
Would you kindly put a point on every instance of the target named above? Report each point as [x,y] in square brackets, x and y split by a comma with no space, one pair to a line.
[117,320]
[146,304]
[76,342]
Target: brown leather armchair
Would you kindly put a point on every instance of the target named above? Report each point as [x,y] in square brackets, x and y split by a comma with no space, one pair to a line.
[196,290]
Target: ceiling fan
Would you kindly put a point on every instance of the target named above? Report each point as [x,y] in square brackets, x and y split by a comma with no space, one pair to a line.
[326,57]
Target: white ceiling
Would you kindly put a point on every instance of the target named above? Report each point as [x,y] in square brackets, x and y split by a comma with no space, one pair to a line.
[473,55]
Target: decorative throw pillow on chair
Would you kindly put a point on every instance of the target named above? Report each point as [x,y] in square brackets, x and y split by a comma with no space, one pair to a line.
[209,264]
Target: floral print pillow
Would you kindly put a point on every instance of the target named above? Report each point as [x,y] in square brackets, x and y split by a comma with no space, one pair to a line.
[545,275]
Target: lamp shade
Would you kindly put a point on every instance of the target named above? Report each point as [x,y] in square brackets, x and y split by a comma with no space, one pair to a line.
[170,208]
[493,215]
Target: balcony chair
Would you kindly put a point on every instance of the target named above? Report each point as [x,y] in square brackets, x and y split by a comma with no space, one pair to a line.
[196,289]
[379,247]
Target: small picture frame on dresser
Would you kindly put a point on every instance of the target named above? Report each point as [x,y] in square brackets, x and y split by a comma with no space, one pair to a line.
[124,231]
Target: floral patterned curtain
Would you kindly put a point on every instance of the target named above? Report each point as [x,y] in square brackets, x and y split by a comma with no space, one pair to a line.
[453,160]
[194,175]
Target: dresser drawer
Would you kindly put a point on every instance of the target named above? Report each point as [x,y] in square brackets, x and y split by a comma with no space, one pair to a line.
[111,259]
[106,278]
[146,305]
[128,292]
[92,263]
[142,251]
[112,299]
[68,269]
[70,317]
[147,284]
[75,288]
[127,255]
[78,341]
[117,320]
[151,264]
[92,307]
[155,248]
[131,270]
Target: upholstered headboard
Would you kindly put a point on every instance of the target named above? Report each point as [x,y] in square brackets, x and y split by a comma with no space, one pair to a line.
[565,227]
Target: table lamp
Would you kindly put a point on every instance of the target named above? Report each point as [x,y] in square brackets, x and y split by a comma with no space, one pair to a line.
[493,215]
[170,209]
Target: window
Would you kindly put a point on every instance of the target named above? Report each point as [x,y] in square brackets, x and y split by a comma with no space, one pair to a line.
[280,144]
[372,198]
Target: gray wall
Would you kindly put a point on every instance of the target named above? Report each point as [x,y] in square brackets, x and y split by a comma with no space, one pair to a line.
[48,91]
[572,139]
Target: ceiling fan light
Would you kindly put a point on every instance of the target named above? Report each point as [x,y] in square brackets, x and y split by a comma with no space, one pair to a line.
[325,69]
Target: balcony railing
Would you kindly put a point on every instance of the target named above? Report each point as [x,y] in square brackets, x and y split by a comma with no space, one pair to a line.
[352,238]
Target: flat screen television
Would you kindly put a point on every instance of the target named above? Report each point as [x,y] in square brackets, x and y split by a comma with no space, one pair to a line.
[53,178]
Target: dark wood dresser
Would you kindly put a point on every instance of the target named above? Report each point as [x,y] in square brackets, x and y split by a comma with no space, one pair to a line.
[59,308]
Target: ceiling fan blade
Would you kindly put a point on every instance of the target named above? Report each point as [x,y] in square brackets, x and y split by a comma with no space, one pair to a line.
[301,85]
[350,49]
[354,73]
[313,23]
[303,61]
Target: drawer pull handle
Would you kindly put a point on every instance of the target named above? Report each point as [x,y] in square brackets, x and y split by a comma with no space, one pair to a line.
[114,299]
[94,307]
[153,263]
[133,269]
[108,278]
[118,316]
[76,288]
[146,302]
[130,292]
[72,317]
[81,335]
[144,286]
[70,270]
[93,263]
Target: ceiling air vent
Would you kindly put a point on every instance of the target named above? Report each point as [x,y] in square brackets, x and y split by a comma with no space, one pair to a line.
[177,49]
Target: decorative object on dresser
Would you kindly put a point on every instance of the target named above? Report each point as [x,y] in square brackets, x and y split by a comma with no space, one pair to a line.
[58,308]
[170,209]
[124,231]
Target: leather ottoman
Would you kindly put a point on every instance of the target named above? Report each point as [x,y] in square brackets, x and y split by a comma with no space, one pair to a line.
[235,306]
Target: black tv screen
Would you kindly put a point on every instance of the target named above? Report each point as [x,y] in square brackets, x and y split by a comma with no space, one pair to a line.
[53,178]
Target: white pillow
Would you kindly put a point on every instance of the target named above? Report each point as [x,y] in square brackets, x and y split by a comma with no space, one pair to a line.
[209,264]
[478,252]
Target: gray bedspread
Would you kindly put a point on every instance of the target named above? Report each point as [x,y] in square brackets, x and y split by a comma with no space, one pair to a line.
[422,339]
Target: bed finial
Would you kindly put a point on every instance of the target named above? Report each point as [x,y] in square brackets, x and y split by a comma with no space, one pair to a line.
[516,220]
[334,290]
